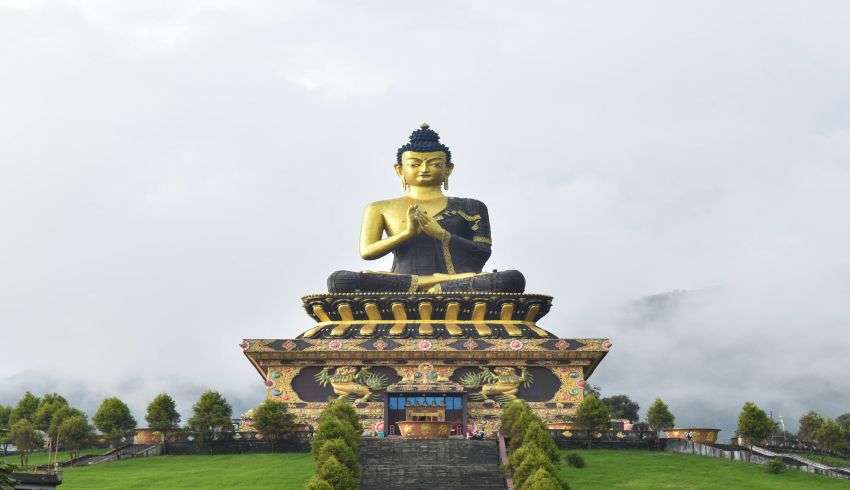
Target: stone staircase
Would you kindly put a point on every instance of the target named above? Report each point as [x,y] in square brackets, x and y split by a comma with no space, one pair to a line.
[430,464]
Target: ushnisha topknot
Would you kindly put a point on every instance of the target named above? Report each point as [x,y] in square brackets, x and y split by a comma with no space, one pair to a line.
[424,139]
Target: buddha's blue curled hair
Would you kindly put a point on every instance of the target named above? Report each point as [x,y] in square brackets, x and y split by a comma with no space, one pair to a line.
[424,139]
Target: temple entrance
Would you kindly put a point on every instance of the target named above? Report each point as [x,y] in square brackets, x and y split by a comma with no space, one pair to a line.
[425,407]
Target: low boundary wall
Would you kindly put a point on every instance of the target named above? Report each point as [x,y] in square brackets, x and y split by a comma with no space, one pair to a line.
[686,447]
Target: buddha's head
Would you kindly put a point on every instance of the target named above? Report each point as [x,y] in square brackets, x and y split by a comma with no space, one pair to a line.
[424,161]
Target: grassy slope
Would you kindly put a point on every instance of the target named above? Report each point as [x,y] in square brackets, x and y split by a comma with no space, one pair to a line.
[41,457]
[830,460]
[653,469]
[605,469]
[288,470]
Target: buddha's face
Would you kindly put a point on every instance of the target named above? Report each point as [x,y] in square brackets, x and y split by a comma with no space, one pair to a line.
[427,169]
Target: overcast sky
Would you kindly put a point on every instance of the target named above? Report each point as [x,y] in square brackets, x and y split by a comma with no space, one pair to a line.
[174,176]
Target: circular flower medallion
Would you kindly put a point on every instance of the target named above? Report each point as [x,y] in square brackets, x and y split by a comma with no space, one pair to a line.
[335,345]
[606,344]
[424,344]
[245,344]
[516,344]
[574,391]
[573,374]
[581,383]
[276,392]
[268,383]
[276,375]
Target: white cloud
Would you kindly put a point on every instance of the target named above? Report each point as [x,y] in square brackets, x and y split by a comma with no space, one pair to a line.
[176,175]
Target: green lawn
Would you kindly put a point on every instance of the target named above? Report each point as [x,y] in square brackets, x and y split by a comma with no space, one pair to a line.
[41,457]
[635,469]
[286,470]
[656,469]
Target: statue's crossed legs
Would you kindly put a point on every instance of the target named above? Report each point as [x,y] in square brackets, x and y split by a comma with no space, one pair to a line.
[510,281]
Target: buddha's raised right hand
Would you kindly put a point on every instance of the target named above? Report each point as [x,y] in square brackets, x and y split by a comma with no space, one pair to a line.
[413,227]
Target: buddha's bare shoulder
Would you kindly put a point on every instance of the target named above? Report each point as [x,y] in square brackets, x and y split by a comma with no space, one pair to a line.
[388,204]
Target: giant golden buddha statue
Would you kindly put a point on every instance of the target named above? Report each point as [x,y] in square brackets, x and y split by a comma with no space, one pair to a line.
[439,243]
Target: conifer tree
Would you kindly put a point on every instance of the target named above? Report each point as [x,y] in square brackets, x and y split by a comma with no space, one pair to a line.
[592,415]
[658,416]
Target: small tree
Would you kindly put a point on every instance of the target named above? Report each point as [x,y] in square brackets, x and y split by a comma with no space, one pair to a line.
[114,420]
[830,437]
[273,420]
[809,423]
[5,413]
[211,414]
[74,433]
[25,409]
[25,438]
[754,424]
[47,406]
[842,420]
[162,415]
[56,420]
[658,416]
[622,407]
[592,415]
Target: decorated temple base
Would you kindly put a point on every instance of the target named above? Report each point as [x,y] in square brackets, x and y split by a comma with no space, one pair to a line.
[449,359]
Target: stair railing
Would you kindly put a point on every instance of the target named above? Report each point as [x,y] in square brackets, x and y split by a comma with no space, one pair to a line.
[505,463]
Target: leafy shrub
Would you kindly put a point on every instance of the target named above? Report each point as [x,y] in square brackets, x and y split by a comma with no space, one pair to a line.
[317,483]
[775,466]
[575,460]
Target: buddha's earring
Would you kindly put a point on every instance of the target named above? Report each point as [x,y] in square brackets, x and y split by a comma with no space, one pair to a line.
[446,184]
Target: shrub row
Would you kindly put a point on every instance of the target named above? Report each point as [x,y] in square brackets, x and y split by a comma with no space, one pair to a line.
[534,456]
[334,447]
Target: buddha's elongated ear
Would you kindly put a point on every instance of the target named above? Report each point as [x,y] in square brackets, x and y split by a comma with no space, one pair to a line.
[449,168]
[397,168]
